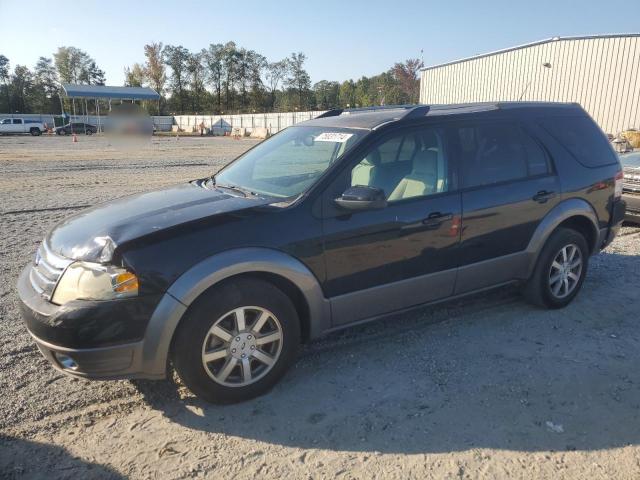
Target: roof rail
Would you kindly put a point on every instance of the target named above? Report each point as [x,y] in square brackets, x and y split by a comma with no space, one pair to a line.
[377,107]
[331,113]
[339,111]
[416,111]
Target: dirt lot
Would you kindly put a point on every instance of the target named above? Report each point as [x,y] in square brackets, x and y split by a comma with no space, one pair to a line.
[487,387]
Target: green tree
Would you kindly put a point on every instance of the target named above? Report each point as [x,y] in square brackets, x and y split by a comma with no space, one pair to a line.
[275,74]
[253,64]
[298,79]
[76,66]
[196,73]
[47,93]
[176,57]
[134,76]
[326,94]
[213,58]
[94,75]
[230,60]
[363,93]
[22,89]
[4,77]
[347,94]
[155,71]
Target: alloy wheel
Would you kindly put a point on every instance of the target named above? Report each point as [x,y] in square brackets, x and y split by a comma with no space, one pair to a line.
[242,346]
[565,271]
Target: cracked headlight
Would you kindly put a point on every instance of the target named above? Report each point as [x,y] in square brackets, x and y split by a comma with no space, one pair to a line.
[93,281]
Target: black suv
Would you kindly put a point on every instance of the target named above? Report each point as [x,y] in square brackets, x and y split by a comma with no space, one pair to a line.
[333,222]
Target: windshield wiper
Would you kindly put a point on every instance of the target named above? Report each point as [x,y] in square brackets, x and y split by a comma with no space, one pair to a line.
[236,188]
[245,192]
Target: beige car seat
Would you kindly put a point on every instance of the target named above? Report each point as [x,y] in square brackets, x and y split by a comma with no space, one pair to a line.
[364,173]
[423,178]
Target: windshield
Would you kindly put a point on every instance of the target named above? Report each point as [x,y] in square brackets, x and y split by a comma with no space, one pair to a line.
[630,159]
[288,163]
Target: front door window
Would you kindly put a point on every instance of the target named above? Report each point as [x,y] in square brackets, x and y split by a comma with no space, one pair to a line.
[405,166]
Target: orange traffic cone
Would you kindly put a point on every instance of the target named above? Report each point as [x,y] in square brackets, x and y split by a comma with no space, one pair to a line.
[75,138]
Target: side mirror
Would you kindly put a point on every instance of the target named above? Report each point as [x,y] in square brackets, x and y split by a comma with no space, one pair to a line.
[362,197]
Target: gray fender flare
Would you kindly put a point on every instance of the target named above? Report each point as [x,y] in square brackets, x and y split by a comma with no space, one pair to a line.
[572,207]
[197,279]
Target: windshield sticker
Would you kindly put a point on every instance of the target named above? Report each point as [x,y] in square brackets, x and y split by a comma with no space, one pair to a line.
[335,137]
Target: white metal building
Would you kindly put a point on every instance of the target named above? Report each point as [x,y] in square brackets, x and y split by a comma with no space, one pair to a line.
[601,72]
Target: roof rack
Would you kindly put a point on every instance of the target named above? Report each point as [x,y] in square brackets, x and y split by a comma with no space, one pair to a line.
[331,113]
[413,110]
[416,111]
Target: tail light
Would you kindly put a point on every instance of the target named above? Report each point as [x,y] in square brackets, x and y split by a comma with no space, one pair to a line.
[617,193]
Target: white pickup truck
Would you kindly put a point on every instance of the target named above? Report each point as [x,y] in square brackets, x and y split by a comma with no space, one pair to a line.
[20,125]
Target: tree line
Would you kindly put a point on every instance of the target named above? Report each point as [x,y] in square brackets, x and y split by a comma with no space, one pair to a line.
[221,78]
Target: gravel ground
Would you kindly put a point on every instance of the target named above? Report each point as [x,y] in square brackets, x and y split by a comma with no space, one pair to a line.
[486,387]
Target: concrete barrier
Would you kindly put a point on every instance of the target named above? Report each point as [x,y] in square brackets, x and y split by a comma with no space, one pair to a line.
[259,132]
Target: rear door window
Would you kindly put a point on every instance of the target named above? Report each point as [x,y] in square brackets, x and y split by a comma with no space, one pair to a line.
[498,152]
[491,153]
[582,138]
[17,121]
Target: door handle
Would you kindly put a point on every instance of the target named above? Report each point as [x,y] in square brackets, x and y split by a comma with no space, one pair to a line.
[543,195]
[435,219]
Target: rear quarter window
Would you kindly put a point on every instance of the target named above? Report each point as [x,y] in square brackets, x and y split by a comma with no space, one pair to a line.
[582,138]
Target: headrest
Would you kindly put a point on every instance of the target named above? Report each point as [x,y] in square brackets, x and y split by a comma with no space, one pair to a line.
[429,140]
[373,157]
[425,163]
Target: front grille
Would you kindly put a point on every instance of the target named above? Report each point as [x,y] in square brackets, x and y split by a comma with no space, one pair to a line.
[46,270]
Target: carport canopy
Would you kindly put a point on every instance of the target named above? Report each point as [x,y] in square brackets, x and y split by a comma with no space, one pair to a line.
[106,92]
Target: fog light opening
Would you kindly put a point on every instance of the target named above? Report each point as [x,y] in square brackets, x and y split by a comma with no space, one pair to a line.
[66,361]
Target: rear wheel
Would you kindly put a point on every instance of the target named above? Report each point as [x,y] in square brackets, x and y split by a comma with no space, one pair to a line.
[88,131]
[236,341]
[561,269]
[35,131]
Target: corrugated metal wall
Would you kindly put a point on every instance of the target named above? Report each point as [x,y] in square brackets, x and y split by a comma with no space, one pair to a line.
[600,73]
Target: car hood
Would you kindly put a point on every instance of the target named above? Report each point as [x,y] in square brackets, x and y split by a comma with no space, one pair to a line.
[95,234]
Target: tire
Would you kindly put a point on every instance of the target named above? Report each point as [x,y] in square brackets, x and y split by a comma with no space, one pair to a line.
[35,132]
[88,132]
[541,289]
[219,307]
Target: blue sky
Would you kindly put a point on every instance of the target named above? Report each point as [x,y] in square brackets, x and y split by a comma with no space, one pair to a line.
[342,39]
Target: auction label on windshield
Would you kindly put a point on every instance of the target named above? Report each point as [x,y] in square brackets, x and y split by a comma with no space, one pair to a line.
[335,137]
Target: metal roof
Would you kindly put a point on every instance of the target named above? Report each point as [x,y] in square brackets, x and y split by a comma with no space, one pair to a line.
[369,120]
[103,91]
[527,45]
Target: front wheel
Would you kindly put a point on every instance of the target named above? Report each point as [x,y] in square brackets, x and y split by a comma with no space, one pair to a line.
[236,341]
[560,271]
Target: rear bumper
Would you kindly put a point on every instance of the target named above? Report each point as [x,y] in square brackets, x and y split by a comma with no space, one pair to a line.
[618,216]
[633,206]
